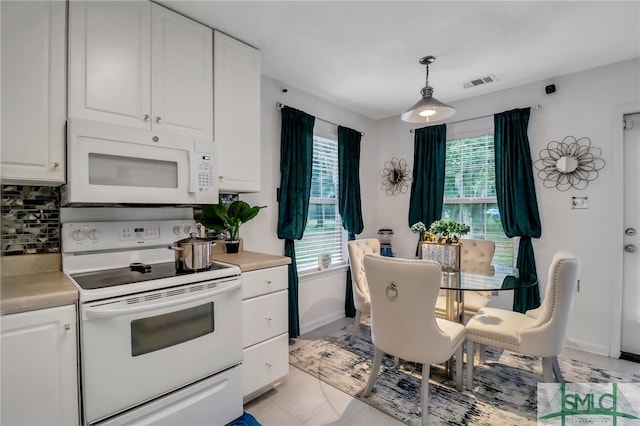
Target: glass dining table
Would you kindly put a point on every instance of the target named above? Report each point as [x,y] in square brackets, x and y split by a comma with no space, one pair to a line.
[480,277]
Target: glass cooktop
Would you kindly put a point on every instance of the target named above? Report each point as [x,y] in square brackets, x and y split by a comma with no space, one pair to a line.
[136,272]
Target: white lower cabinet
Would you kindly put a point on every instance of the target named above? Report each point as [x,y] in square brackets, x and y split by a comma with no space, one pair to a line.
[265,327]
[39,368]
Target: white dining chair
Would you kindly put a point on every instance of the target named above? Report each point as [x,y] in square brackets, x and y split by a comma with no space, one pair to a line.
[540,333]
[403,323]
[358,249]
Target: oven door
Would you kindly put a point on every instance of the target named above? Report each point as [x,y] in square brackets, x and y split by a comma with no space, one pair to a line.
[136,348]
[115,164]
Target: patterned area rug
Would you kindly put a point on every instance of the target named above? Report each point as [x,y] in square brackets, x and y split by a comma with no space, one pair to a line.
[504,390]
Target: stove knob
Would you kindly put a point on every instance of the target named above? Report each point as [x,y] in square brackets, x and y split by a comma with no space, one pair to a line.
[78,235]
[187,229]
[94,234]
[176,230]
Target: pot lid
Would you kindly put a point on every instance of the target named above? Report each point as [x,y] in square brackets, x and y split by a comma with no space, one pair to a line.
[193,239]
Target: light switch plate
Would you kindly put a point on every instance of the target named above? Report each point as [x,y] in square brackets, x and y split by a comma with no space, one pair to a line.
[579,201]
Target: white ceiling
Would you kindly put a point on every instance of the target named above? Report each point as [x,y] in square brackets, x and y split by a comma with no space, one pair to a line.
[363,55]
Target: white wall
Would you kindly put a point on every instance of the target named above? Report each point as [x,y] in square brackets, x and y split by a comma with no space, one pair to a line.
[590,104]
[321,295]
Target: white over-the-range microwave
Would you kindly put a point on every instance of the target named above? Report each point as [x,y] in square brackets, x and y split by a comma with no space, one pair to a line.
[111,164]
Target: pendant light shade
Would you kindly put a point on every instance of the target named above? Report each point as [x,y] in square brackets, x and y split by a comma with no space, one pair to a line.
[428,108]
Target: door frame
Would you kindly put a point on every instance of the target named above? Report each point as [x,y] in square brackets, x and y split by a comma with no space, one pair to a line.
[617,142]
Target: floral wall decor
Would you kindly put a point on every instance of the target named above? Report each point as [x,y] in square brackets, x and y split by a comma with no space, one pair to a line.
[395,176]
[572,163]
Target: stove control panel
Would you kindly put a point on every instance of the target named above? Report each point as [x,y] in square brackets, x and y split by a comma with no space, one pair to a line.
[96,236]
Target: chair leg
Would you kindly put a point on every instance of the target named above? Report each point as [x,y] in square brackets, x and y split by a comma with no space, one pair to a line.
[459,364]
[470,356]
[425,393]
[396,362]
[377,360]
[547,369]
[481,353]
[356,326]
[556,370]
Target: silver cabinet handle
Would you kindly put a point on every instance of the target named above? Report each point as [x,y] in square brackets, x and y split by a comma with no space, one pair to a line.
[268,318]
[56,165]
[158,119]
[268,364]
[67,327]
[145,117]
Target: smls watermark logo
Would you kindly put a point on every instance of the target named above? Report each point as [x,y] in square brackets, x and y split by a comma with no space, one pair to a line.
[615,404]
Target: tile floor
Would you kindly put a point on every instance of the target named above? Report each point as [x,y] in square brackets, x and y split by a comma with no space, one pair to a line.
[301,399]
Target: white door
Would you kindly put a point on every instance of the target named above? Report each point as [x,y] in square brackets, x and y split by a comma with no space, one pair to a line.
[33,91]
[110,62]
[631,281]
[181,75]
[237,88]
[38,374]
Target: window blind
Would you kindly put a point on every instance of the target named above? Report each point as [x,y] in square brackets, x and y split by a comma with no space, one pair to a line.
[323,233]
[470,192]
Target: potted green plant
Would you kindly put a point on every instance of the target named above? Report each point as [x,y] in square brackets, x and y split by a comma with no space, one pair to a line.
[218,217]
[447,231]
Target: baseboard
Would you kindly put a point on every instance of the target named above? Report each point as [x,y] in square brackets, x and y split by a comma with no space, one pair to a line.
[587,347]
[319,322]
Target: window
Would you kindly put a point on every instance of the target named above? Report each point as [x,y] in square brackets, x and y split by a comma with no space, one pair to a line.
[324,232]
[470,192]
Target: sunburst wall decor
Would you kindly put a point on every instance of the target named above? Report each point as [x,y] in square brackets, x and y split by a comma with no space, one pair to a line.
[395,176]
[572,163]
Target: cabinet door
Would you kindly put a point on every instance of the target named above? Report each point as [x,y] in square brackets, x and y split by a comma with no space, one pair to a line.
[265,363]
[182,75]
[237,114]
[109,62]
[39,368]
[264,317]
[33,91]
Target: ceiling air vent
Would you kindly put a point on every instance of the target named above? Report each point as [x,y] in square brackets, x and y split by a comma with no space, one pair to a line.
[479,81]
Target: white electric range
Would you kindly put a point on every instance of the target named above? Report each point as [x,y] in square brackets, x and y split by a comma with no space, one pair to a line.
[156,345]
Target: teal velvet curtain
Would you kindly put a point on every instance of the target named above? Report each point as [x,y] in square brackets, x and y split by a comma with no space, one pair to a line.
[296,156]
[349,201]
[427,187]
[516,195]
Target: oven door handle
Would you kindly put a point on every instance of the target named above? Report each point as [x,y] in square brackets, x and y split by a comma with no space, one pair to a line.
[106,311]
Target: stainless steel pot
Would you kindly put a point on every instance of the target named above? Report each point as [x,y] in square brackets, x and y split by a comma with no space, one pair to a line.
[193,253]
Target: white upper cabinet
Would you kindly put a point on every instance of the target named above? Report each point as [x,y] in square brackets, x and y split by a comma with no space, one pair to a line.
[140,65]
[110,62]
[33,92]
[237,114]
[181,75]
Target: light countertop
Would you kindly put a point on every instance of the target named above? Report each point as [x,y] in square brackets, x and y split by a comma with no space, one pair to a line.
[251,260]
[31,282]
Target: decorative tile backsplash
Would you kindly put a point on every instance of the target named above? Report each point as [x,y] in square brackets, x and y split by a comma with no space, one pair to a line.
[30,219]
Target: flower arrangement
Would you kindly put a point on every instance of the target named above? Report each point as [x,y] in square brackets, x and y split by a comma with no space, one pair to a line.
[447,231]
[441,231]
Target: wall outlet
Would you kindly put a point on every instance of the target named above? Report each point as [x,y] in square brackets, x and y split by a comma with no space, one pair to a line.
[579,201]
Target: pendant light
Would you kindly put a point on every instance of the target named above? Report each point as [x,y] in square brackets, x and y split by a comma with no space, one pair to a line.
[428,108]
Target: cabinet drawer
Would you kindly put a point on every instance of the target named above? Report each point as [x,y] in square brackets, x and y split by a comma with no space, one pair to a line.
[264,317]
[264,281]
[265,363]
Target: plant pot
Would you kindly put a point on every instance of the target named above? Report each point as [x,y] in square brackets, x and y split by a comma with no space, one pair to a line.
[232,246]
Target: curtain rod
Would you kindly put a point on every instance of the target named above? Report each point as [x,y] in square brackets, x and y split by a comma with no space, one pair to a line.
[536,106]
[279,105]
